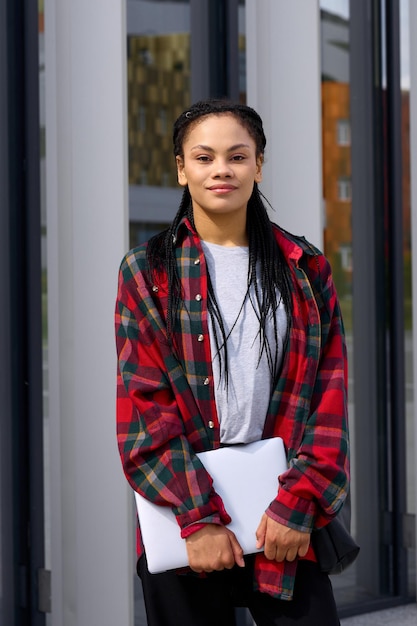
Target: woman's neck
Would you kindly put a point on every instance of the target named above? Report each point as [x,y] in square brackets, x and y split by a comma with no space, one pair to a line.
[224,230]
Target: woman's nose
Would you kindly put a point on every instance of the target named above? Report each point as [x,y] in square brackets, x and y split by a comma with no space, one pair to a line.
[223,168]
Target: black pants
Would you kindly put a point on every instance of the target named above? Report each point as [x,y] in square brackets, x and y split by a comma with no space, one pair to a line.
[187,600]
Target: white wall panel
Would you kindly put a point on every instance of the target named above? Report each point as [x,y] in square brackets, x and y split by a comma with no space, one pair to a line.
[87,218]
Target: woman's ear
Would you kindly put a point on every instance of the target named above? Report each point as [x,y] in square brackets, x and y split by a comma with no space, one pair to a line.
[182,179]
[259,164]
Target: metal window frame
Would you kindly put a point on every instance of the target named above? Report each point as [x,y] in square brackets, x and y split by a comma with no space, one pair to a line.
[21,442]
[214,49]
[378,316]
[396,296]
[7,515]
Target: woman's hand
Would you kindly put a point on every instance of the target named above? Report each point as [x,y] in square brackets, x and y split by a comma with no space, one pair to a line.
[280,542]
[212,548]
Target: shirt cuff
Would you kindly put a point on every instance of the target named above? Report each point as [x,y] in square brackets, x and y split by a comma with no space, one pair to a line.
[212,513]
[193,528]
[293,511]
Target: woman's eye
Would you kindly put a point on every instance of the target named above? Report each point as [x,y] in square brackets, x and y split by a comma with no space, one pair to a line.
[237,157]
[203,158]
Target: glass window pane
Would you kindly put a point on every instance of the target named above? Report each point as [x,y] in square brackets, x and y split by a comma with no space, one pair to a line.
[409,391]
[159,79]
[353,586]
[337,195]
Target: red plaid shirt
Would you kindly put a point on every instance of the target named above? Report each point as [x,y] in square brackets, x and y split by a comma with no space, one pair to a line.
[166,408]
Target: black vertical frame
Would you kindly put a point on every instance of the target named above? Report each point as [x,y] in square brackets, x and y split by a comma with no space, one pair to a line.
[378,299]
[397,417]
[7,513]
[369,323]
[21,419]
[223,49]
[33,270]
[214,49]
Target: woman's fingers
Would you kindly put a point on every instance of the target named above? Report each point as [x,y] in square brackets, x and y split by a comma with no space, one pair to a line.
[283,543]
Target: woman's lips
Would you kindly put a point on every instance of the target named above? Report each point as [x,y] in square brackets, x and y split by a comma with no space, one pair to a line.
[222,188]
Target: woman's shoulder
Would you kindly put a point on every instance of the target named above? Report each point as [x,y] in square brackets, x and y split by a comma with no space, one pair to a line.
[308,256]
[134,260]
[299,240]
[144,267]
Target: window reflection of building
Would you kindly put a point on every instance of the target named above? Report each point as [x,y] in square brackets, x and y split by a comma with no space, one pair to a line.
[242,67]
[337,186]
[343,133]
[344,189]
[336,175]
[158,90]
[337,192]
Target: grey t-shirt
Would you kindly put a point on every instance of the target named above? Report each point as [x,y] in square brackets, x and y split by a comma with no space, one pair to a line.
[242,404]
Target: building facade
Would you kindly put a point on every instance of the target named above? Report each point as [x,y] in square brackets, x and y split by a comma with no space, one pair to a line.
[88,95]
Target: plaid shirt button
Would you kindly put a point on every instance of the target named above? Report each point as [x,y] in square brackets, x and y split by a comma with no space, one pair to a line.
[197,262]
[199,297]
[211,424]
[155,289]
[200,338]
[206,381]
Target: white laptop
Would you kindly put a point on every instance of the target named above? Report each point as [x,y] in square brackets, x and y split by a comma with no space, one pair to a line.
[245,476]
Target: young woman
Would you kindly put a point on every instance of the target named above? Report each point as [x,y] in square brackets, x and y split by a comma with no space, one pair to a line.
[228,331]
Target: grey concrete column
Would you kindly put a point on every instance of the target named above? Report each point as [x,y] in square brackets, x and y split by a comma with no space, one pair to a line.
[87,216]
[284,86]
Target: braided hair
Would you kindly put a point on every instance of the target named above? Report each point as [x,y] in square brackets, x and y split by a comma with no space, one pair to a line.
[268,271]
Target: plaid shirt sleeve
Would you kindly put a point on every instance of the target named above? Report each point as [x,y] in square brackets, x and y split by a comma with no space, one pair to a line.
[157,458]
[316,483]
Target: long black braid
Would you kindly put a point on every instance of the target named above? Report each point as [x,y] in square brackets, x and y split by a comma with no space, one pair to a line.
[268,270]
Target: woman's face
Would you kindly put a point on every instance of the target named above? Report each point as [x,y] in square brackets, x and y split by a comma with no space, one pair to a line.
[219,165]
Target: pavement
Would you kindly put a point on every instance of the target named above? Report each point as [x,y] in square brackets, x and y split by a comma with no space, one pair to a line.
[400,616]
[405,615]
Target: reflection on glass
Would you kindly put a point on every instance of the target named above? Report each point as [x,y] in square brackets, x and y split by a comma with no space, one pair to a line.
[143,231]
[158,68]
[405,135]
[337,202]
[41,32]
[44,295]
[242,50]
[337,191]
[352,586]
